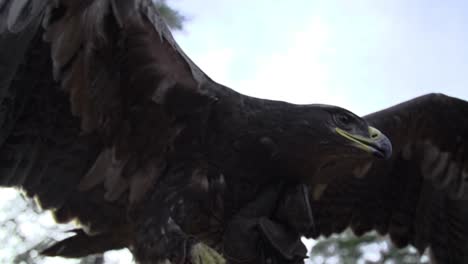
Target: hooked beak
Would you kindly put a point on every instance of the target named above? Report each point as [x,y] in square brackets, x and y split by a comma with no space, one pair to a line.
[377,143]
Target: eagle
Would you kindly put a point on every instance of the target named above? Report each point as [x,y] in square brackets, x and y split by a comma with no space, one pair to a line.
[105,121]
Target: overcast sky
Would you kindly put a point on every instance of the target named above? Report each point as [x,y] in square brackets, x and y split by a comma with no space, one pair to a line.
[360,54]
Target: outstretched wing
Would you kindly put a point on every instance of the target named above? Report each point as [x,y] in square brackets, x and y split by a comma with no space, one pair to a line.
[93,94]
[420,195]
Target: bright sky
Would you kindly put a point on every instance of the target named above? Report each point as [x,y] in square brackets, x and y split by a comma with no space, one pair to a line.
[364,55]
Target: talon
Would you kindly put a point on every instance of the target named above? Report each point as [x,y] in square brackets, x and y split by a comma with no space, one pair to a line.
[203,254]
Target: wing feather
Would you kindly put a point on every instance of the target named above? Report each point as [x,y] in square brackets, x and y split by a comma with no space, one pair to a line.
[93,95]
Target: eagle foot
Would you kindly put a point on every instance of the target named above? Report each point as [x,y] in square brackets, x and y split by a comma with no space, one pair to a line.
[203,254]
[200,254]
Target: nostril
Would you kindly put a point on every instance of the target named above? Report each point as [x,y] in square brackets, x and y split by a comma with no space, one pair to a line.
[374,133]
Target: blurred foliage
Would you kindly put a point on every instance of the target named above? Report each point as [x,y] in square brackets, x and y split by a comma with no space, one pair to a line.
[174,19]
[370,248]
[25,231]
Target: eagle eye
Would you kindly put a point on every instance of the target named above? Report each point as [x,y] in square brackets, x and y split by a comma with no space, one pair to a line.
[343,120]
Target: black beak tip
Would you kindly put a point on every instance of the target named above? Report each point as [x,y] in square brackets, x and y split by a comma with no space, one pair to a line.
[383,148]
